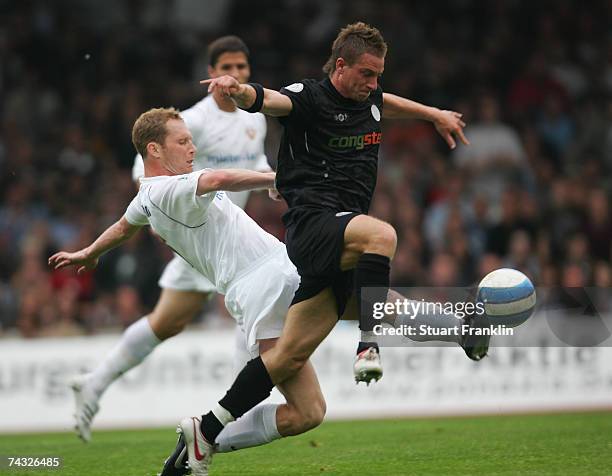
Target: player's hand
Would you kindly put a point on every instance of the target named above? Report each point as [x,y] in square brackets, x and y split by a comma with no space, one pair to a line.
[226,85]
[274,195]
[78,258]
[449,124]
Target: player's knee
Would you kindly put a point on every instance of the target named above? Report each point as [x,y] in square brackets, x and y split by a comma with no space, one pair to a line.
[314,416]
[165,326]
[305,419]
[383,240]
[318,412]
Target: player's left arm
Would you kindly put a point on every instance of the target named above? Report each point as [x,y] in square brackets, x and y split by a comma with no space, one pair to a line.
[447,123]
[87,258]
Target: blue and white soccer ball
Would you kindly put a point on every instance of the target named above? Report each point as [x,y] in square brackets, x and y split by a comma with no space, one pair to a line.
[508,297]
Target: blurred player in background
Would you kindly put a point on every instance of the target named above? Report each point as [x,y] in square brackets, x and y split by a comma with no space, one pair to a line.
[247,265]
[225,137]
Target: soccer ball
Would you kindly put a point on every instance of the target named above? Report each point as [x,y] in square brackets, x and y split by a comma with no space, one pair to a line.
[508,297]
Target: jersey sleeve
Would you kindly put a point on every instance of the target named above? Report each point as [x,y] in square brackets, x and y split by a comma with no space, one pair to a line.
[138,168]
[135,213]
[302,98]
[177,198]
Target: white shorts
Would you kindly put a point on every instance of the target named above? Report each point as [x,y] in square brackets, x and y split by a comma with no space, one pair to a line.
[241,354]
[260,299]
[182,276]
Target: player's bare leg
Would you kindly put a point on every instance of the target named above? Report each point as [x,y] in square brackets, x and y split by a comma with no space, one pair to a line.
[308,323]
[304,409]
[174,310]
[369,245]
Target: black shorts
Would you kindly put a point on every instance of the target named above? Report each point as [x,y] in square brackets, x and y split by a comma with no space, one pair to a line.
[315,242]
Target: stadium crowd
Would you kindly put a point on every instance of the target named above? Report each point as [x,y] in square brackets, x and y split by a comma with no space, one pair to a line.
[532,191]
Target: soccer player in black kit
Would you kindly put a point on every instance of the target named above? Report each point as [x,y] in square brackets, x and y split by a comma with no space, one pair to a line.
[327,170]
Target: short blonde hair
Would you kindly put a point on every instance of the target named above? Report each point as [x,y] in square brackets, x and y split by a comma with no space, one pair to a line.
[151,127]
[353,41]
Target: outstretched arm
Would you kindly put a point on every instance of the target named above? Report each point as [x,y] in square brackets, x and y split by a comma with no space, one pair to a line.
[447,123]
[234,180]
[274,104]
[87,258]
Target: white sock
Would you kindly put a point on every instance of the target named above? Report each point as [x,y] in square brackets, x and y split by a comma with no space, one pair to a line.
[254,428]
[436,320]
[136,343]
[222,415]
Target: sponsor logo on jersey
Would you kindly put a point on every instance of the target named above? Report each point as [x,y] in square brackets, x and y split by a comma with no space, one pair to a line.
[252,133]
[357,142]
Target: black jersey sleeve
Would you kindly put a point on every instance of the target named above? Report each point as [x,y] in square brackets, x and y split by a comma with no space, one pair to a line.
[303,98]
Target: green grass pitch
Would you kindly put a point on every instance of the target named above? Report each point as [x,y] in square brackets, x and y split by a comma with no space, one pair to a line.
[559,444]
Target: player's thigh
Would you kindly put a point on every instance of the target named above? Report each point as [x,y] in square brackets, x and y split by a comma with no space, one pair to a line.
[308,323]
[174,309]
[366,234]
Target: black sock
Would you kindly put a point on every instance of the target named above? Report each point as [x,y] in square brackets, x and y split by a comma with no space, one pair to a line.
[252,386]
[372,272]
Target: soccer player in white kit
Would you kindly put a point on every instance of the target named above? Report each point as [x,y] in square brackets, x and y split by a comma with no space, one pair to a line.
[246,264]
[225,137]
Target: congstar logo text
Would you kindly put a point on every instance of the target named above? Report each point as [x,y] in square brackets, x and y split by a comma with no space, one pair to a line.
[358,142]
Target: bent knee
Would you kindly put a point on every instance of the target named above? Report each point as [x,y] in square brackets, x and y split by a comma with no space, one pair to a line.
[383,240]
[308,418]
[165,326]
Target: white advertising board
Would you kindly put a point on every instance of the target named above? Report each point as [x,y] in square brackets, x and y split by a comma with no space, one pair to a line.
[188,374]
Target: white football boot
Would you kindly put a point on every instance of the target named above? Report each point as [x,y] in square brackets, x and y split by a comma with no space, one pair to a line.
[367,366]
[86,406]
[199,451]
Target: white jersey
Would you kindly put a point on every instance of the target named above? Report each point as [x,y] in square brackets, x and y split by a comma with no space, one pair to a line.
[209,232]
[225,140]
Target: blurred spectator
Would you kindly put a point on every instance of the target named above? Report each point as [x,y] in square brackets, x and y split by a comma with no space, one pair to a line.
[495,156]
[598,227]
[513,217]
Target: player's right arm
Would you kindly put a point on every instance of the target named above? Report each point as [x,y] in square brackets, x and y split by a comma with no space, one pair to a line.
[87,258]
[274,103]
[234,180]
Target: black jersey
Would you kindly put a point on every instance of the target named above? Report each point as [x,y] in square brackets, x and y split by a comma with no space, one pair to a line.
[328,156]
